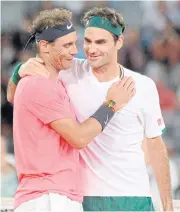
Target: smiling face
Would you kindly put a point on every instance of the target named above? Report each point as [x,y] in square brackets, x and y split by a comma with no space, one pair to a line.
[100,47]
[61,52]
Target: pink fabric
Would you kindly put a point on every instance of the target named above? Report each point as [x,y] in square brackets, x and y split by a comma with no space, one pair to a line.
[45,162]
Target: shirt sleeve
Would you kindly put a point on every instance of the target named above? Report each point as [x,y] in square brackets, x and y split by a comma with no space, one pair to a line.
[153,120]
[47,100]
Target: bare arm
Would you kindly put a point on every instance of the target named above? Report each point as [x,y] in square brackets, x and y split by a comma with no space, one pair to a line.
[77,135]
[158,159]
[11,89]
[80,135]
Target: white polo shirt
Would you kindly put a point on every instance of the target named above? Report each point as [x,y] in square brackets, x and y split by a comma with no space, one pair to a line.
[114,161]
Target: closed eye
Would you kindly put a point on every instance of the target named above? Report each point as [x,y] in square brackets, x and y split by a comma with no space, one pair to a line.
[67,45]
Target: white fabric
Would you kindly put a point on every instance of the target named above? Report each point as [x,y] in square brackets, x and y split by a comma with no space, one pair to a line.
[51,202]
[114,160]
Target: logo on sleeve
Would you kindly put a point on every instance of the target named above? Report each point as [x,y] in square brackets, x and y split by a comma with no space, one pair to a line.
[160,121]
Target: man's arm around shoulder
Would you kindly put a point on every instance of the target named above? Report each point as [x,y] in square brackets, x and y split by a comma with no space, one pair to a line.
[11,89]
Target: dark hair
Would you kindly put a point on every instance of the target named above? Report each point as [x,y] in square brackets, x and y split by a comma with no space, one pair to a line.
[115,37]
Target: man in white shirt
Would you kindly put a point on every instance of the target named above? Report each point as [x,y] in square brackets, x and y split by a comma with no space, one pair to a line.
[115,174]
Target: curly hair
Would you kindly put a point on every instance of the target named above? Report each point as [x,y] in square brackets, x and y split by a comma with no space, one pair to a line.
[50,18]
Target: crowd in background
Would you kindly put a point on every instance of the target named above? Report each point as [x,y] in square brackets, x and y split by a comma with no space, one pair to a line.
[151,47]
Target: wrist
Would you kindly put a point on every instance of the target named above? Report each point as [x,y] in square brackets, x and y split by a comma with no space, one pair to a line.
[103,115]
[15,77]
[110,104]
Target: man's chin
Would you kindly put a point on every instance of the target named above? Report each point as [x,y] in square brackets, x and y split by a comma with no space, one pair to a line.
[94,64]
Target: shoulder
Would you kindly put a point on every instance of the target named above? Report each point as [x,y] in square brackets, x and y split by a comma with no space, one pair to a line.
[39,85]
[33,81]
[143,83]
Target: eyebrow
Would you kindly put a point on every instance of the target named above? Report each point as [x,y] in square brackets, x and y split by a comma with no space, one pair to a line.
[97,41]
[87,39]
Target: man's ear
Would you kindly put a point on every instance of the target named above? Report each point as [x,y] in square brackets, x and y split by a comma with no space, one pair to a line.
[120,42]
[44,46]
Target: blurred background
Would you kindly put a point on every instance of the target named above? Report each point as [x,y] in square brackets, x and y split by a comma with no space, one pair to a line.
[152,47]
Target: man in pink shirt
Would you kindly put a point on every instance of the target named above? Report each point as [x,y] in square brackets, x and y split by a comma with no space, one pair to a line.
[48,165]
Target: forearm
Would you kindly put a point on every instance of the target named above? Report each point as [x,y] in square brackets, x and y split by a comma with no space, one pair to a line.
[76,134]
[79,135]
[12,84]
[11,91]
[160,165]
[88,130]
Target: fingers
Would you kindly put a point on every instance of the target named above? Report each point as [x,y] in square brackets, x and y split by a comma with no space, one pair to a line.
[20,72]
[132,93]
[123,81]
[131,86]
[35,61]
[34,66]
[39,60]
[128,82]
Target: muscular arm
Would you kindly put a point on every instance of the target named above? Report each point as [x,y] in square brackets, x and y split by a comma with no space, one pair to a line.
[11,89]
[158,159]
[51,105]
[77,135]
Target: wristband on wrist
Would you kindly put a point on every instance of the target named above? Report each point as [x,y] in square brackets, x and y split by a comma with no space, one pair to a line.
[15,77]
[103,115]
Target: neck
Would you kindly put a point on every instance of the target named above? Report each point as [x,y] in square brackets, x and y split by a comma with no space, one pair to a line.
[107,72]
[53,72]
